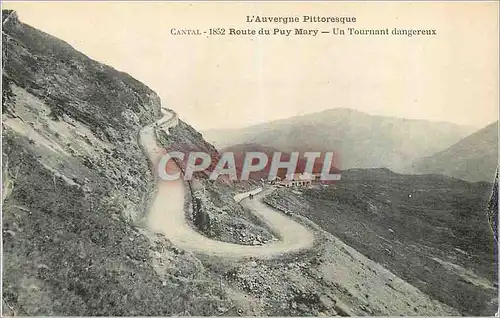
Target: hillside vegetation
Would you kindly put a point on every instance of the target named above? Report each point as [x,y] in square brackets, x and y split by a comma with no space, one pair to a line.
[430,230]
[473,158]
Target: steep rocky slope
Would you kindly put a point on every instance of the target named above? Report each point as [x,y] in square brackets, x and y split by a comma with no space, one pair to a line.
[77,183]
[473,158]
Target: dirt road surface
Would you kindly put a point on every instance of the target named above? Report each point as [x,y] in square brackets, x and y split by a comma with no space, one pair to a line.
[166,215]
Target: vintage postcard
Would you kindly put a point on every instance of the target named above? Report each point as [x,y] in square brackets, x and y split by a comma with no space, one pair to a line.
[242,158]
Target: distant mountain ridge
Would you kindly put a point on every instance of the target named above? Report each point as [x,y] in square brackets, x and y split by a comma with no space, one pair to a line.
[473,158]
[360,140]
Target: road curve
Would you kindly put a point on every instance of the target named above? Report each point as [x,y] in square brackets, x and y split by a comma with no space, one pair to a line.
[166,214]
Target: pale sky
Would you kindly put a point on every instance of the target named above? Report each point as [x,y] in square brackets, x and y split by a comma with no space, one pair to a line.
[229,81]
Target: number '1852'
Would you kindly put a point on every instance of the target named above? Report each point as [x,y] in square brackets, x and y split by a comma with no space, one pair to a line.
[217,31]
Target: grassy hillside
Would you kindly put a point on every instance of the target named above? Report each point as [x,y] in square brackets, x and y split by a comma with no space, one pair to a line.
[473,158]
[430,230]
